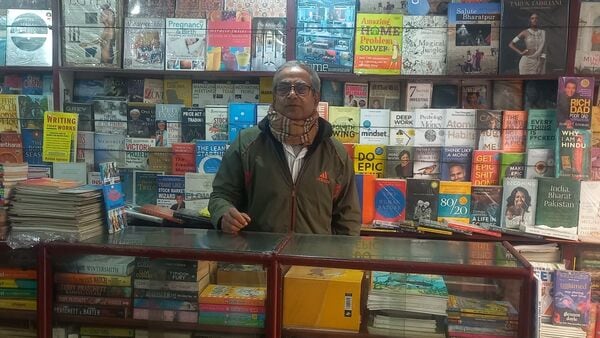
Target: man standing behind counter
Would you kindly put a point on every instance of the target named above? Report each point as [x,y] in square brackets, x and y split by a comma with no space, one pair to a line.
[288,173]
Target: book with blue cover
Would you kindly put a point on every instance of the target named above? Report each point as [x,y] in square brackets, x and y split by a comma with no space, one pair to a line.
[169,187]
[32,145]
[456,163]
[572,297]
[209,155]
[145,189]
[241,116]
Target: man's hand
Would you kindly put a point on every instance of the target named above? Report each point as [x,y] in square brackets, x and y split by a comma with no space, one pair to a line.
[233,221]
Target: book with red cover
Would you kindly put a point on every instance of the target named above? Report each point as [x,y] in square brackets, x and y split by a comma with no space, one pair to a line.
[485,167]
[184,158]
[11,147]
[514,130]
[365,184]
[158,211]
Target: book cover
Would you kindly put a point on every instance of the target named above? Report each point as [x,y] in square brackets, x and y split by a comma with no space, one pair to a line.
[345,122]
[384,95]
[402,131]
[473,38]
[485,169]
[109,148]
[378,42]
[144,43]
[445,95]
[426,162]
[424,45]
[33,84]
[145,189]
[92,310]
[216,123]
[135,90]
[534,37]
[325,34]
[374,126]
[185,44]
[541,129]
[153,91]
[115,86]
[512,164]
[489,129]
[486,203]
[136,152]
[2,37]
[587,56]
[572,297]
[459,128]
[476,95]
[224,93]
[203,93]
[241,116]
[265,85]
[422,201]
[193,124]
[93,290]
[233,295]
[540,163]
[84,110]
[197,190]
[429,127]
[454,201]
[557,206]
[28,37]
[184,158]
[418,95]
[60,137]
[514,130]
[365,186]
[322,108]
[229,41]
[85,148]
[399,162]
[373,6]
[519,202]
[508,95]
[196,8]
[545,273]
[32,145]
[268,43]
[573,153]
[589,212]
[74,171]
[595,165]
[259,8]
[110,116]
[178,91]
[209,155]
[31,110]
[540,94]
[332,92]
[141,120]
[170,191]
[369,159]
[92,33]
[390,199]
[11,147]
[9,113]
[168,124]
[150,8]
[356,94]
[246,92]
[116,219]
[456,163]
[574,101]
[160,159]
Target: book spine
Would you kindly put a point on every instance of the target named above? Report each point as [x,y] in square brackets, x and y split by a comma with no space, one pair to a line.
[231,308]
[98,269]
[94,300]
[165,304]
[85,279]
[232,319]
[166,315]
[13,283]
[169,274]
[18,273]
[93,290]
[190,296]
[106,331]
[165,285]
[231,301]
[18,293]
[94,311]
[18,304]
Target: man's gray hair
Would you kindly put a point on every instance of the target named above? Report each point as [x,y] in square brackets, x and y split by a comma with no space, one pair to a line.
[315,81]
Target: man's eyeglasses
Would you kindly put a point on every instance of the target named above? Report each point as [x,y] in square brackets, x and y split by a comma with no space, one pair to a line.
[301,89]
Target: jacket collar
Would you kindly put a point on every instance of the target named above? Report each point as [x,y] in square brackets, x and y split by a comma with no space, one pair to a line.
[325,131]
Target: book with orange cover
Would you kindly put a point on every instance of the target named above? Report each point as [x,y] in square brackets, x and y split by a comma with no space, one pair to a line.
[158,211]
[88,279]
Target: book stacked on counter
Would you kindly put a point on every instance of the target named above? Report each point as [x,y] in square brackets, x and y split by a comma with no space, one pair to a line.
[230,305]
[55,209]
[474,317]
[10,175]
[407,305]
[167,289]
[94,285]
[18,288]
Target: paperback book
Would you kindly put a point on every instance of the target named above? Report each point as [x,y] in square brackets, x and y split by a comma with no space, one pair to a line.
[28,37]
[141,120]
[418,95]
[268,43]
[170,191]
[378,43]
[486,205]
[402,131]
[369,159]
[557,205]
[229,41]
[193,124]
[519,201]
[587,55]
[150,9]
[572,297]
[209,155]
[185,44]
[574,102]
[384,95]
[424,45]
[573,153]
[427,162]
[144,44]
[399,162]
[423,201]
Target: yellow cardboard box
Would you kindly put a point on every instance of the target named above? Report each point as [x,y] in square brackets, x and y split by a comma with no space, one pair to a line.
[322,298]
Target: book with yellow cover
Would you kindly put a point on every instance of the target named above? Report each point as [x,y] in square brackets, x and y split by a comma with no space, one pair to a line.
[178,91]
[9,115]
[18,304]
[378,43]
[266,90]
[87,279]
[369,159]
[233,295]
[322,298]
[454,201]
[345,122]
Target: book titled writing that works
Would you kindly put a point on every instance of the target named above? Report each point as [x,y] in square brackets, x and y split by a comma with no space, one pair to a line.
[84,110]
[402,131]
[485,167]
[572,298]
[378,43]
[429,127]
[540,163]
[144,43]
[424,45]
[557,204]
[384,95]
[168,187]
[150,8]
[374,127]
[345,122]
[454,202]
[31,110]
[427,162]
[459,127]
[519,199]
[28,37]
[512,164]
[110,116]
[325,41]
[184,158]
[197,190]
[369,159]
[91,35]
[136,152]
[390,199]
[268,43]
[514,130]
[573,153]
[589,212]
[456,163]
[145,189]
[473,38]
[109,148]
[203,93]
[241,116]
[587,55]
[60,137]
[209,155]
[185,44]
[229,40]
[574,101]
[168,124]
[486,203]
[399,162]
[422,201]
[193,126]
[538,33]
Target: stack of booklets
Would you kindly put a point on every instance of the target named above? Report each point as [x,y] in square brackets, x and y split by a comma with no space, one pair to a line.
[167,289]
[547,253]
[94,285]
[48,208]
[18,288]
[407,305]
[559,331]
[474,317]
[230,305]
[10,175]
[39,171]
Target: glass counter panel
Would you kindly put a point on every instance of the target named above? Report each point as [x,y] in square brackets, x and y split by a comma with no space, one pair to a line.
[178,238]
[402,249]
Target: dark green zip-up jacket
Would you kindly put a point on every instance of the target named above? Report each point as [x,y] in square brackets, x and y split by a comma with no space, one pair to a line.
[255,178]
